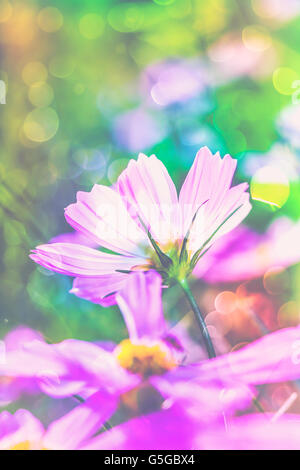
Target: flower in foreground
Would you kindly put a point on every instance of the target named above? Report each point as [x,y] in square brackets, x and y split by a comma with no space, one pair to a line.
[23,431]
[178,428]
[143,225]
[245,254]
[151,360]
[11,388]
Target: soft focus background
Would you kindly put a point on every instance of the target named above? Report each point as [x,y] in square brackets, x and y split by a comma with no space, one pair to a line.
[90,84]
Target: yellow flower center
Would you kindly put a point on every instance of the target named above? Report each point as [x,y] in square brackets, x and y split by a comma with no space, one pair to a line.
[27,445]
[21,446]
[144,359]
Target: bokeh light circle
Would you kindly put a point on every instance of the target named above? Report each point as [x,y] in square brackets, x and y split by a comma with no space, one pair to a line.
[40,94]
[270,185]
[226,302]
[115,168]
[222,323]
[91,26]
[41,124]
[50,19]
[288,314]
[284,79]
[276,280]
[34,72]
[61,66]
[256,38]
[126,18]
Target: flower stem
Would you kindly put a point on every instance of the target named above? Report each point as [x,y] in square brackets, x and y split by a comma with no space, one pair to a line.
[78,398]
[200,320]
[106,426]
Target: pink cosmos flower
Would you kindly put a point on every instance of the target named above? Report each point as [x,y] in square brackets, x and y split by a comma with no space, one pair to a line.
[144,225]
[179,429]
[22,431]
[11,388]
[150,360]
[245,254]
[173,428]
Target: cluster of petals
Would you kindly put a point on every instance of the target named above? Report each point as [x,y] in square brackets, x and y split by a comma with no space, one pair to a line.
[199,401]
[144,206]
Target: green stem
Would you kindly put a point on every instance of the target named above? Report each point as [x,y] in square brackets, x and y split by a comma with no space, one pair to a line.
[200,320]
[106,426]
[78,398]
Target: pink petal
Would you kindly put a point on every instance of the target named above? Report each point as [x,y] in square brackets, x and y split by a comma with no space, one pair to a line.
[168,429]
[208,177]
[19,428]
[102,216]
[74,237]
[21,335]
[141,305]
[79,260]
[33,360]
[206,189]
[273,358]
[253,432]
[87,367]
[81,423]
[206,401]
[244,254]
[151,196]
[100,290]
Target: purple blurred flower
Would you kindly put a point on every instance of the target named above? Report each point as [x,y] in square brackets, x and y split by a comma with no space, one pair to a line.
[245,254]
[11,388]
[138,130]
[199,394]
[166,83]
[22,431]
[230,58]
[179,428]
[144,224]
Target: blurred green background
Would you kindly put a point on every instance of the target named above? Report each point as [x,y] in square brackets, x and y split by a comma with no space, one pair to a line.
[91,83]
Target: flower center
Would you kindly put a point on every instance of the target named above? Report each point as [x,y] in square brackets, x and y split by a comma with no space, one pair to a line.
[21,446]
[144,359]
[169,261]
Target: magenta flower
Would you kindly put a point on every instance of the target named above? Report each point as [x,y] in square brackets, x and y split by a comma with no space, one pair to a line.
[137,129]
[12,388]
[22,431]
[168,83]
[245,254]
[178,428]
[144,225]
[151,358]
